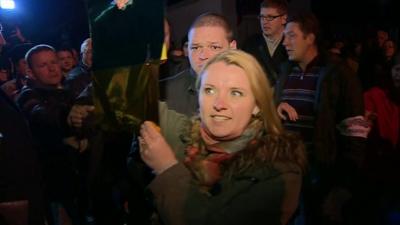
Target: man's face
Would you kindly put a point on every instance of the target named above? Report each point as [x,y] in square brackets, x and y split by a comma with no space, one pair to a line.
[66,60]
[297,44]
[271,21]
[45,68]
[381,37]
[204,43]
[4,75]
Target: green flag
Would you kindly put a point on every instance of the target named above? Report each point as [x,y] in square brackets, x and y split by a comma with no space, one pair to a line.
[127,43]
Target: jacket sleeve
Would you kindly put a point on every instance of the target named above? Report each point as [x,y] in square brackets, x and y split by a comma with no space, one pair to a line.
[174,126]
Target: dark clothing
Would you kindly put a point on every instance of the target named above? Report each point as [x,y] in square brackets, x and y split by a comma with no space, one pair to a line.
[338,96]
[110,185]
[335,159]
[257,46]
[46,109]
[19,170]
[173,66]
[299,92]
[265,195]
[77,79]
[179,92]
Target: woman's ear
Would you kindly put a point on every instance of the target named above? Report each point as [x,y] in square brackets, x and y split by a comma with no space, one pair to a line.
[256,110]
[233,44]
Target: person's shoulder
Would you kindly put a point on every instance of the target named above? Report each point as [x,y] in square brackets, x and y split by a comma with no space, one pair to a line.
[254,38]
[28,96]
[253,41]
[375,91]
[27,91]
[179,76]
[76,73]
[176,82]
[288,150]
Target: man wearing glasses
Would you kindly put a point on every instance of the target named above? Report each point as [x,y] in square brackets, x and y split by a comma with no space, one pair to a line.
[267,47]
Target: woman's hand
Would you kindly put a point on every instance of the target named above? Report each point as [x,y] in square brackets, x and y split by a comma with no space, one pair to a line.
[154,150]
[286,108]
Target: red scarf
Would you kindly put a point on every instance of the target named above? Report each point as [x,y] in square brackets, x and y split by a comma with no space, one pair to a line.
[205,156]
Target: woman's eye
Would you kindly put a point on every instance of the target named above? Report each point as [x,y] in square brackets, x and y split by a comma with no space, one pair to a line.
[209,90]
[236,93]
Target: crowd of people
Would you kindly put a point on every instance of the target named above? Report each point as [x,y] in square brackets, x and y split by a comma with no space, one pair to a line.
[279,129]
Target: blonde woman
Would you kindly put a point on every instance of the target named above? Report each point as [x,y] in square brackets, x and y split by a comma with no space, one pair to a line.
[239,166]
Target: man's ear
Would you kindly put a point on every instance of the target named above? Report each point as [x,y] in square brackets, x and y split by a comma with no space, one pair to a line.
[233,45]
[29,72]
[311,38]
[284,19]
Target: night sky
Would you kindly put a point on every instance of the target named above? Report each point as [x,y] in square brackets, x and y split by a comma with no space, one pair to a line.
[56,21]
[50,21]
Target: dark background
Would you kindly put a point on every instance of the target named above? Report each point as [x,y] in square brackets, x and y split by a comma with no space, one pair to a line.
[55,21]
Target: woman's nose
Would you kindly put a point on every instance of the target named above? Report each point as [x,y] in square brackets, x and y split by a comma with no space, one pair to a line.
[219,103]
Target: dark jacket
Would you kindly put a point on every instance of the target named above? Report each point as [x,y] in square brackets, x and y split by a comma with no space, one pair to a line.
[265,193]
[19,170]
[46,109]
[77,79]
[261,195]
[338,96]
[179,92]
[257,46]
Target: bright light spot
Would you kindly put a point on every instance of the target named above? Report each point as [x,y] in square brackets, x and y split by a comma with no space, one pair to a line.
[7,4]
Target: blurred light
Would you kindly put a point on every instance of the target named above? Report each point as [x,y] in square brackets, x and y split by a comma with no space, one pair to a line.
[7,4]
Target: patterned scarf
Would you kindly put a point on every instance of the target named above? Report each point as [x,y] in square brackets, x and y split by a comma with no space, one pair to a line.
[204,155]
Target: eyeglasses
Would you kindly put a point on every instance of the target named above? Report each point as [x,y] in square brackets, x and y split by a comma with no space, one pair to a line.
[268,18]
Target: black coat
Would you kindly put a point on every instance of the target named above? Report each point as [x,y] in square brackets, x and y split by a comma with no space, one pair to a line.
[19,171]
[46,109]
[257,47]
[78,79]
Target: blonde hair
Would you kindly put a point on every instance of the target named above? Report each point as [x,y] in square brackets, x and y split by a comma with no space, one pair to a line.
[277,145]
[259,84]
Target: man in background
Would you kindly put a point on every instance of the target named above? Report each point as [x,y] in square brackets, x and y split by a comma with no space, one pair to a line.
[209,35]
[267,47]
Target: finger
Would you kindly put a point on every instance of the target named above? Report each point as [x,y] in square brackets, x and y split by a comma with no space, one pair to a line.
[151,130]
[76,122]
[88,108]
[141,143]
[144,135]
[295,115]
[292,115]
[280,114]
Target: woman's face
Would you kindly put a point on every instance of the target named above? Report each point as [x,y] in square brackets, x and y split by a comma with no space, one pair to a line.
[226,100]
